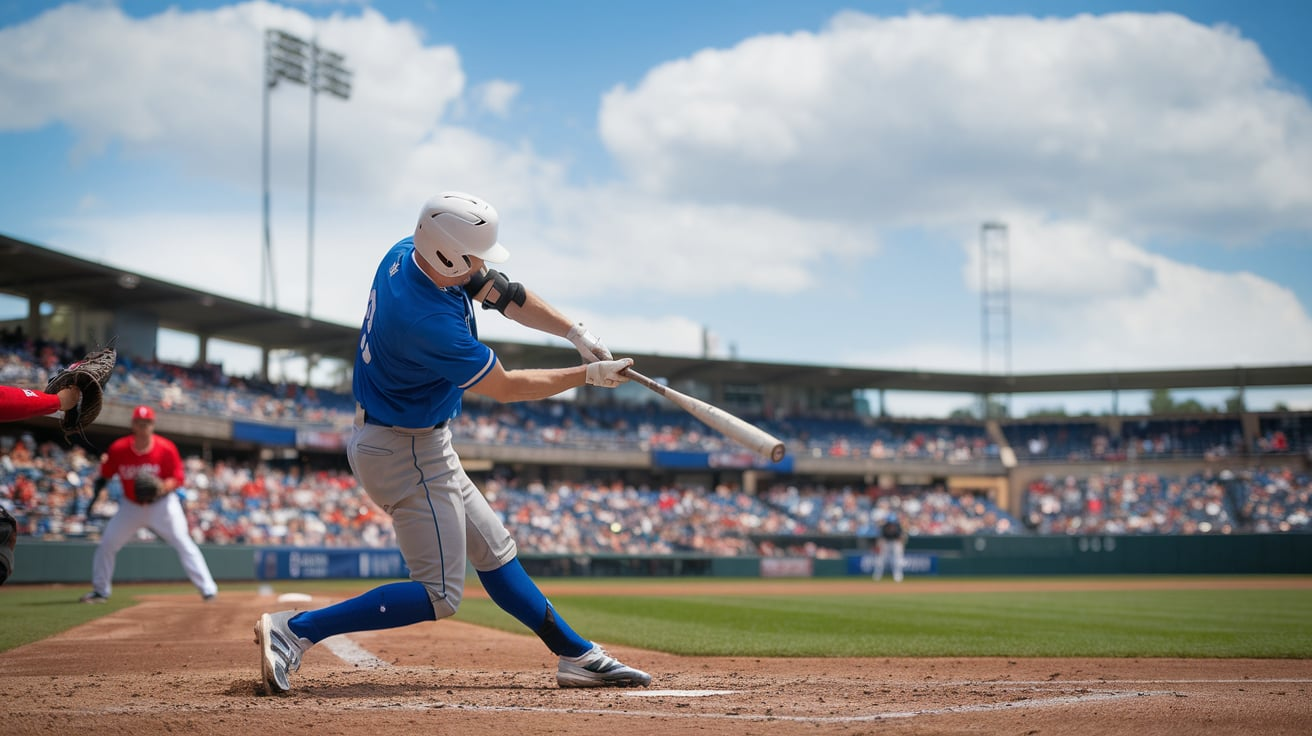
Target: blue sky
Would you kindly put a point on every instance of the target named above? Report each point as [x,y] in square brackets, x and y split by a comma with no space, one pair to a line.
[804,180]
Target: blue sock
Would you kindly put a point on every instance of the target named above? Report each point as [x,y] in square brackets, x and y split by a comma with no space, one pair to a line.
[515,592]
[385,607]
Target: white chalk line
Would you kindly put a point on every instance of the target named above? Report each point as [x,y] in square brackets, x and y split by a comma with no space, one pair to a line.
[1027,704]
[1103,683]
[677,693]
[352,653]
[863,718]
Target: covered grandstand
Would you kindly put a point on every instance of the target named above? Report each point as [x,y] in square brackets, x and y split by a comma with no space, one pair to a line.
[832,443]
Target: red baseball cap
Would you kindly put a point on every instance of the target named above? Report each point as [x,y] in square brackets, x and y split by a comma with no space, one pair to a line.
[143,413]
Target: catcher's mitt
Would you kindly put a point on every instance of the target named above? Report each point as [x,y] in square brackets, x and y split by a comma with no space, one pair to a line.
[146,486]
[8,537]
[90,376]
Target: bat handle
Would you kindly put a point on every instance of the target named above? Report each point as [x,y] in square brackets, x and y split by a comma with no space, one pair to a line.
[645,381]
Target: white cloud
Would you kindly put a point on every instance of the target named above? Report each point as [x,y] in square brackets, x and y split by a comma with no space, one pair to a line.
[1085,298]
[758,174]
[187,86]
[1143,123]
[1064,261]
[497,96]
[682,248]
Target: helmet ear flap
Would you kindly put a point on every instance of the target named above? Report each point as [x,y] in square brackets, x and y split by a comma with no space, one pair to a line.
[450,267]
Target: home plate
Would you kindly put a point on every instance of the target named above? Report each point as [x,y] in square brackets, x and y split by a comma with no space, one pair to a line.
[678,693]
[294,598]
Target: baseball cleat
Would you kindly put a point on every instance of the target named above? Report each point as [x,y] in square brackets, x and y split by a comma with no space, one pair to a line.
[93,597]
[596,668]
[280,650]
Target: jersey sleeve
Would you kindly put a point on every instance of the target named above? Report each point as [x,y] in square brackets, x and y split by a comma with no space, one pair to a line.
[20,403]
[110,465]
[458,358]
[171,463]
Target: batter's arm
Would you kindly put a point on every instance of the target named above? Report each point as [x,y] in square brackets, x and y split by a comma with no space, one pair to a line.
[539,314]
[528,384]
[538,383]
[496,291]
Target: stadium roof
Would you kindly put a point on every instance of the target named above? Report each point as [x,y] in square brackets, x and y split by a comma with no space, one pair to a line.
[35,272]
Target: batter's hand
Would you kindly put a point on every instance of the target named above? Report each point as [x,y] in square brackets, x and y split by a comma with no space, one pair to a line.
[589,345]
[608,373]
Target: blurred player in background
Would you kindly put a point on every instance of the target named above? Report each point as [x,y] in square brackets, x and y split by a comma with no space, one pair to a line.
[150,468]
[418,353]
[891,546]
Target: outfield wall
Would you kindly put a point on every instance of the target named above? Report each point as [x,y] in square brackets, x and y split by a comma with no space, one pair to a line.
[70,562]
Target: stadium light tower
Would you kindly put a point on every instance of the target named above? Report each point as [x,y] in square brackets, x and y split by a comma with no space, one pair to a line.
[995,294]
[286,58]
[326,75]
[995,298]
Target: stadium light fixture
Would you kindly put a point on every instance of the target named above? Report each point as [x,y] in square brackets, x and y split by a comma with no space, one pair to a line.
[286,58]
[327,74]
[292,59]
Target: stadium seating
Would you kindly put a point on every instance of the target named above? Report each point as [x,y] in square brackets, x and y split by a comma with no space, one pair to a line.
[48,485]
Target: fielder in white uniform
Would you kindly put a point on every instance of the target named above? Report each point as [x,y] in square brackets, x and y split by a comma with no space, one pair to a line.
[129,457]
[418,353]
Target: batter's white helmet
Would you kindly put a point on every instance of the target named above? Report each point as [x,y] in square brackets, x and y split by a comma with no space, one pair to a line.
[454,225]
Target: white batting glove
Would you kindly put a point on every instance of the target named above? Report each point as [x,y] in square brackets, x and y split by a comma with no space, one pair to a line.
[608,373]
[589,345]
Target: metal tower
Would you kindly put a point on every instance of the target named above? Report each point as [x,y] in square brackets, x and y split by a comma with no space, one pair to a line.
[995,297]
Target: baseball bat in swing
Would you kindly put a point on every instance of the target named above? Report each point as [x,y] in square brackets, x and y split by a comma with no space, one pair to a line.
[749,436]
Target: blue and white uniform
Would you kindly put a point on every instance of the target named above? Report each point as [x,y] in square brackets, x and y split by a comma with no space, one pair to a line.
[419,347]
[418,353]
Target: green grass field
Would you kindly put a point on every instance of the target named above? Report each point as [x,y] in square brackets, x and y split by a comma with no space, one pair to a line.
[1140,623]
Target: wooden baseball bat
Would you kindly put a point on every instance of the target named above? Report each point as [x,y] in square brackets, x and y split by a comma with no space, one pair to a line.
[749,436]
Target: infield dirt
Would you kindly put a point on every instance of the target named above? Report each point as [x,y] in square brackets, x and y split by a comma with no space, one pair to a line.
[174,664]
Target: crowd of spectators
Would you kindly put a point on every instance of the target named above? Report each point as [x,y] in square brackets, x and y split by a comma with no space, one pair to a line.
[1221,502]
[206,390]
[1140,439]
[851,511]
[48,487]
[202,389]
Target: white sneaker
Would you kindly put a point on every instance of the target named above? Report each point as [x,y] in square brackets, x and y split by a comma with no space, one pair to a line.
[596,668]
[280,650]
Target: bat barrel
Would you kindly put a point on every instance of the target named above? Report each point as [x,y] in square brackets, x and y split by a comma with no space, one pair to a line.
[746,434]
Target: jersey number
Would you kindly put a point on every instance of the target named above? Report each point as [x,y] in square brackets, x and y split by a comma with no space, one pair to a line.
[368,325]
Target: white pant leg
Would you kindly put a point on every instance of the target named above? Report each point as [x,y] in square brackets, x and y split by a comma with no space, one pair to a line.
[881,557]
[439,517]
[169,522]
[899,550]
[119,531]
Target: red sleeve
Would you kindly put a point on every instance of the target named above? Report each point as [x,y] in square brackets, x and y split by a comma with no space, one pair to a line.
[112,459]
[170,461]
[24,403]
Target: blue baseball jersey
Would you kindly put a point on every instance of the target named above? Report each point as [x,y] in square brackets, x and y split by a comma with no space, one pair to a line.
[419,347]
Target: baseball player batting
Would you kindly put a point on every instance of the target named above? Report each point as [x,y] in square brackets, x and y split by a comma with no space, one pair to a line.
[418,353]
